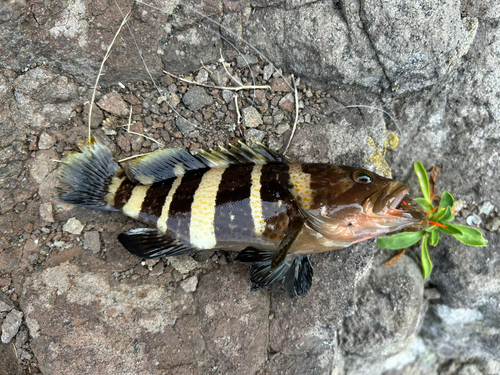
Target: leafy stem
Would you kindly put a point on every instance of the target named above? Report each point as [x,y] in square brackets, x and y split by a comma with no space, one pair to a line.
[439,218]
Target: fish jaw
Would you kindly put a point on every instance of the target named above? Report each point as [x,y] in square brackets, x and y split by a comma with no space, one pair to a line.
[379,214]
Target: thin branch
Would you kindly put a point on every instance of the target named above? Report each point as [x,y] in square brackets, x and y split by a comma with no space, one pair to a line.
[106,56]
[265,87]
[296,114]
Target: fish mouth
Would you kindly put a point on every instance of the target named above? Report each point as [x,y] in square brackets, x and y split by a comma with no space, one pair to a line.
[393,201]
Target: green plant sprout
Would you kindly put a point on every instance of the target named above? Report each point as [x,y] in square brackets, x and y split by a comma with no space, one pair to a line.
[439,219]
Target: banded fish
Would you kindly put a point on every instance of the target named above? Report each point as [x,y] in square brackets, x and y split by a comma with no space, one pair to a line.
[274,211]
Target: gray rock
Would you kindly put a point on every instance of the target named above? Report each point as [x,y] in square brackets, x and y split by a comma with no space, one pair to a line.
[46,212]
[189,285]
[73,226]
[4,307]
[91,241]
[186,126]
[254,135]
[243,61]
[196,98]
[280,129]
[251,117]
[11,324]
[184,264]
[46,141]
[227,95]
[114,104]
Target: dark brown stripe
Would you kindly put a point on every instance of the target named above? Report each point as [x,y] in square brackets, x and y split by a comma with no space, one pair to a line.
[179,214]
[123,193]
[233,215]
[154,201]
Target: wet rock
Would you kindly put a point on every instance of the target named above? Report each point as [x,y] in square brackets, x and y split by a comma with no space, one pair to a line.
[251,117]
[91,241]
[189,285]
[114,104]
[10,325]
[196,98]
[46,213]
[73,226]
[46,141]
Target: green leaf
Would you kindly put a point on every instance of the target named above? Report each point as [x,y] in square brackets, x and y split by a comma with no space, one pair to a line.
[423,180]
[434,237]
[426,259]
[400,240]
[446,216]
[469,236]
[447,201]
[427,206]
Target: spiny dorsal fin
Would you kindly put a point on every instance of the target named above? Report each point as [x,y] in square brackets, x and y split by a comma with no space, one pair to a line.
[173,162]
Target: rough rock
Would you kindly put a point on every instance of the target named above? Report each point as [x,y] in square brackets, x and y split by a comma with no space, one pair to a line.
[114,104]
[11,324]
[196,98]
[46,213]
[46,141]
[251,117]
[91,241]
[73,226]
[189,285]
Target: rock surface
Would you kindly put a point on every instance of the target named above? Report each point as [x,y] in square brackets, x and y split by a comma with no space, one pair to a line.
[107,312]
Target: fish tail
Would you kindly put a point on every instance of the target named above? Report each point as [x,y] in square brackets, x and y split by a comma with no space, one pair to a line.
[89,174]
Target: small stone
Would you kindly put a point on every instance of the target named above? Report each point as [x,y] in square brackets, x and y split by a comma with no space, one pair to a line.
[275,144]
[10,325]
[33,144]
[185,126]
[278,118]
[202,76]
[174,99]
[124,143]
[46,212]
[254,135]
[279,85]
[280,129]
[184,264]
[46,141]
[197,98]
[97,116]
[493,225]
[268,72]
[4,307]
[114,104]
[21,339]
[157,269]
[251,117]
[220,77]
[189,285]
[25,355]
[287,103]
[227,95]
[73,226]
[260,97]
[5,281]
[91,241]
[242,61]
[486,208]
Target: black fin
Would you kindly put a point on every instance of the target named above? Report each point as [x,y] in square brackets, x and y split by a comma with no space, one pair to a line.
[151,243]
[89,174]
[293,231]
[298,279]
[262,275]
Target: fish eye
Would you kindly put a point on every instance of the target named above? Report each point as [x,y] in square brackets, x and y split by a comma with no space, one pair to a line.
[362,176]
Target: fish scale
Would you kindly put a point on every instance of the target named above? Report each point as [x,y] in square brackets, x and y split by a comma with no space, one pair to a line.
[274,211]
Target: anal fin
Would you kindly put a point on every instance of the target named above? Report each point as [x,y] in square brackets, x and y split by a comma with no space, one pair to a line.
[298,279]
[151,243]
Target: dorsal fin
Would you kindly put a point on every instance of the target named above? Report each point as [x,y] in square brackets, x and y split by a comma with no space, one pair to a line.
[173,162]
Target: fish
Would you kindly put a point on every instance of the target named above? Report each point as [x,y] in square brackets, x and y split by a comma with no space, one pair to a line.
[274,211]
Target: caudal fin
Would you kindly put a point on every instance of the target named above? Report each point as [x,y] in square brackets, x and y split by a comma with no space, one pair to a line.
[89,174]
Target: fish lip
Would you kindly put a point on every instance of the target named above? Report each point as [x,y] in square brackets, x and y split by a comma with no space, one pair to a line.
[396,201]
[387,200]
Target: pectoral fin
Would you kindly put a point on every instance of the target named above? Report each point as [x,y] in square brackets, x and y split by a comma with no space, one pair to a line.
[298,279]
[294,229]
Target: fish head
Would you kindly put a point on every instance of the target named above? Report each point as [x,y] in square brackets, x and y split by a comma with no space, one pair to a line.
[354,204]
